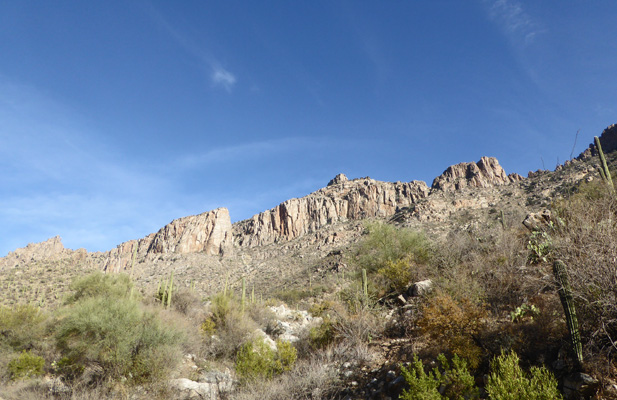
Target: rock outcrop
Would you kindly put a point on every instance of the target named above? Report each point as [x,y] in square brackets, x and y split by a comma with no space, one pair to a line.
[209,232]
[50,250]
[485,173]
[608,140]
[341,200]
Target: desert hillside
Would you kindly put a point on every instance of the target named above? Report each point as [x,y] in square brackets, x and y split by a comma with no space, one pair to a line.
[353,291]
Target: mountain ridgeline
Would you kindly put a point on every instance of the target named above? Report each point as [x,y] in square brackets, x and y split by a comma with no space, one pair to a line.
[212,233]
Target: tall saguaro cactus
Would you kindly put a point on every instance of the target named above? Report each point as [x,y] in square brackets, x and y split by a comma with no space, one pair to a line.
[364,283]
[565,295]
[604,171]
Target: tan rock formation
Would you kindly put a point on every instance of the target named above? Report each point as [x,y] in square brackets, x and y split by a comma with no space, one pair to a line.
[209,232]
[341,200]
[485,173]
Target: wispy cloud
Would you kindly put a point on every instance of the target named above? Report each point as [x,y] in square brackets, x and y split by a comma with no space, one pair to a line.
[219,76]
[252,151]
[224,78]
[516,23]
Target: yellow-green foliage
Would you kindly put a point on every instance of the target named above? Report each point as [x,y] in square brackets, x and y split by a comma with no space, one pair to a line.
[21,326]
[454,323]
[508,381]
[208,327]
[97,283]
[396,275]
[422,386]
[450,381]
[26,365]
[256,360]
[385,243]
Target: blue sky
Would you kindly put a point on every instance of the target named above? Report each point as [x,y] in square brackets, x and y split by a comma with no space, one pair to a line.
[117,117]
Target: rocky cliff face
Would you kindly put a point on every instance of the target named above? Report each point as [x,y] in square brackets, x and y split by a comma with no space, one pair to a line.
[485,173]
[341,200]
[209,232]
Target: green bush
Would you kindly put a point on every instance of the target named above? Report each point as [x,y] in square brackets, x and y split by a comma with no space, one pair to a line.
[256,360]
[508,381]
[119,336]
[21,326]
[453,381]
[386,242]
[26,365]
[322,335]
[112,286]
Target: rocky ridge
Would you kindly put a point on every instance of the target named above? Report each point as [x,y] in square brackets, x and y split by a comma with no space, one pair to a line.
[485,173]
[341,200]
[212,233]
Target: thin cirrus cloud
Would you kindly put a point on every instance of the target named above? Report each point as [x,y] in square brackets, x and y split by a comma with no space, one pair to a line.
[516,23]
[252,150]
[219,76]
[224,78]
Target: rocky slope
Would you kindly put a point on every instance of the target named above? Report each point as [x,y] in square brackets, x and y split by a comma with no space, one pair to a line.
[284,241]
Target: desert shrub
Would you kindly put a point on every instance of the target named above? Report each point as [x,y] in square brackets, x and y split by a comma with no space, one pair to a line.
[422,386]
[227,325]
[395,275]
[186,302]
[112,286]
[21,326]
[486,264]
[120,337]
[322,335]
[26,365]
[450,381]
[508,381]
[256,360]
[309,379]
[453,323]
[387,250]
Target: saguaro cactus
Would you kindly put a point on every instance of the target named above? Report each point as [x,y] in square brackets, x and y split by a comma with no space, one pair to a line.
[565,295]
[604,171]
[364,283]
[243,293]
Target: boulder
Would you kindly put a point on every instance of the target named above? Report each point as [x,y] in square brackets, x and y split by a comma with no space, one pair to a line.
[210,386]
[420,288]
[580,386]
[538,221]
